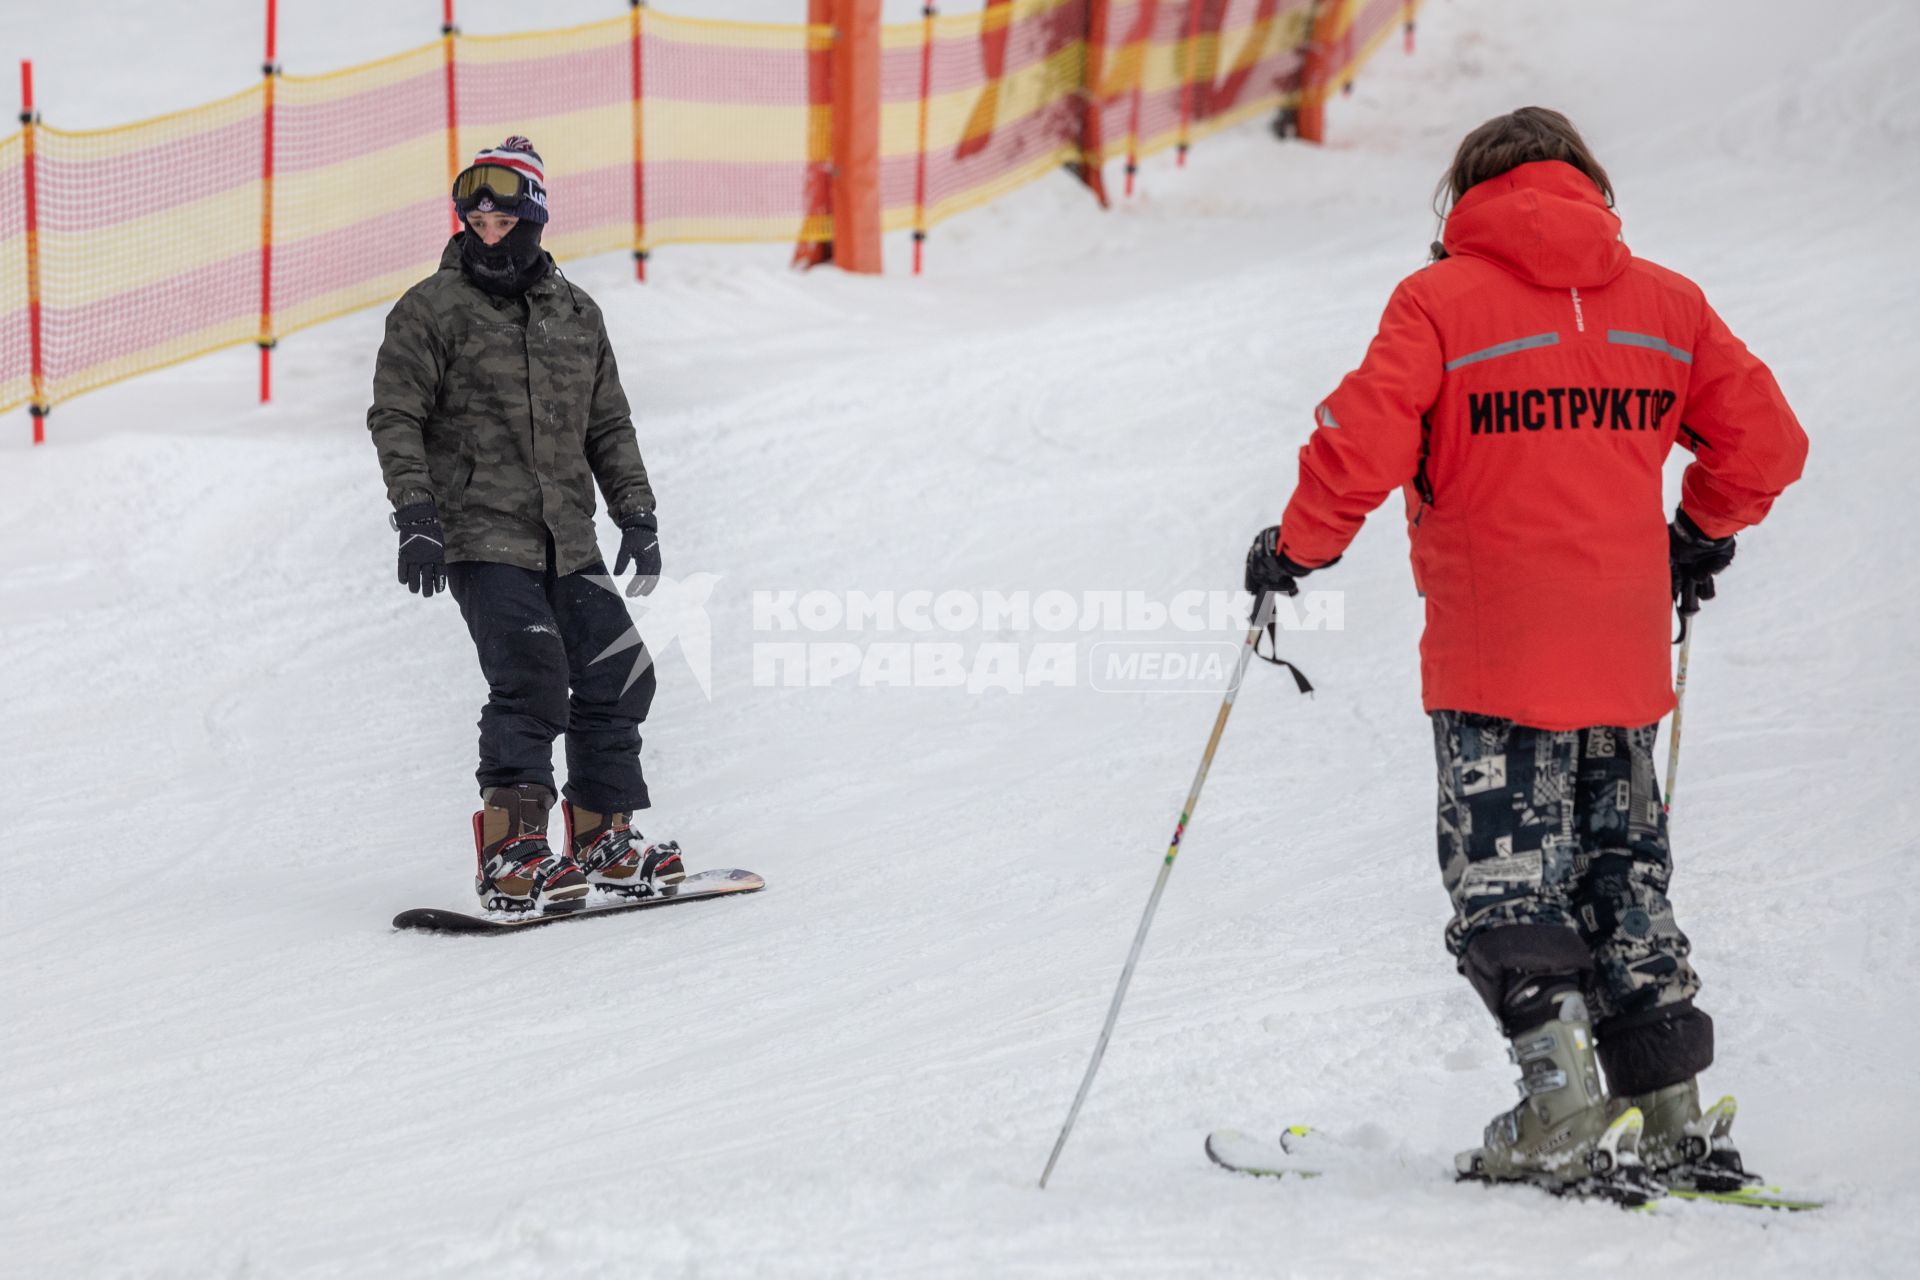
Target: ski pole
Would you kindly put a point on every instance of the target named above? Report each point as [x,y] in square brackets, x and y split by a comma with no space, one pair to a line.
[1689,606]
[1166,869]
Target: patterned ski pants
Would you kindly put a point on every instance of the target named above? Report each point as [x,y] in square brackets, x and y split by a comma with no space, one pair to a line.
[1553,848]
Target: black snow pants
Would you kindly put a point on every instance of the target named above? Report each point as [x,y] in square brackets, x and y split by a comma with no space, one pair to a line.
[538,636]
[1553,847]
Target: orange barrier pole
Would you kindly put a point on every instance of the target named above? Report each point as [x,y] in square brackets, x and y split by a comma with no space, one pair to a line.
[29,119]
[928,12]
[1406,19]
[811,253]
[856,136]
[269,70]
[1188,79]
[447,32]
[1310,122]
[1145,41]
[639,146]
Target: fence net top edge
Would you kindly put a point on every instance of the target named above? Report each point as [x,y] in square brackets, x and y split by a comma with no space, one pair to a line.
[817,31]
[216,104]
[948,26]
[813,36]
[361,68]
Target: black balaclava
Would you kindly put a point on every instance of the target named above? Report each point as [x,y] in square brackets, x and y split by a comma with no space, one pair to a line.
[509,268]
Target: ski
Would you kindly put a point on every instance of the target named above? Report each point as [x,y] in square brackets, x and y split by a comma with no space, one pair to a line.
[1243,1152]
[695,888]
[1301,1152]
[1754,1197]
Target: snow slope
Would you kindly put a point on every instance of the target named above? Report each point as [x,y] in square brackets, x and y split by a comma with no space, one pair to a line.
[236,748]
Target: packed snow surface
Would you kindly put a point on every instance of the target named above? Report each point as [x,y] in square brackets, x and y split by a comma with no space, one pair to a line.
[236,748]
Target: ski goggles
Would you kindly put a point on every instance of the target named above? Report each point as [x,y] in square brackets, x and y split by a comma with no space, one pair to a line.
[506,186]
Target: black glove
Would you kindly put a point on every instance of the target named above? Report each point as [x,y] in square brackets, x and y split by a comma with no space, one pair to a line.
[640,547]
[1694,558]
[1270,570]
[423,554]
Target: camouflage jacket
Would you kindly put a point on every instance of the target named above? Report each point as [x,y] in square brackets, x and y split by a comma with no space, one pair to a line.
[503,412]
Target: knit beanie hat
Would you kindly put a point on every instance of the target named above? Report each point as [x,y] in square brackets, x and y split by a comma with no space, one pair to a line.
[517,155]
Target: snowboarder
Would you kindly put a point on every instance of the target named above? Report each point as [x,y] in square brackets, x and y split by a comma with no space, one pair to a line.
[496,407]
[1523,391]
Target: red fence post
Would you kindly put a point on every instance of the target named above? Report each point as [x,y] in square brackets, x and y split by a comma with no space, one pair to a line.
[269,70]
[39,407]
[447,32]
[1091,166]
[928,12]
[1189,78]
[1145,39]
[639,144]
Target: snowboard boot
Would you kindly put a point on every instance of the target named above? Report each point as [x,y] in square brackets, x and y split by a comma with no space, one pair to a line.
[1561,1136]
[604,846]
[518,869]
[1683,1147]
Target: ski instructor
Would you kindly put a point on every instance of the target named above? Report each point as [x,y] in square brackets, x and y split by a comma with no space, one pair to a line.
[1523,391]
[496,408]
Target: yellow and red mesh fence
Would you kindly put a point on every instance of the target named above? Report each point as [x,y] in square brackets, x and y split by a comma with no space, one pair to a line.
[307,197]
[16,385]
[149,242]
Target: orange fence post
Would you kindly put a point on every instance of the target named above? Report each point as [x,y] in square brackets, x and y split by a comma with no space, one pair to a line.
[29,121]
[639,145]
[1189,77]
[269,69]
[846,185]
[1315,70]
[856,136]
[928,12]
[447,32]
[1143,36]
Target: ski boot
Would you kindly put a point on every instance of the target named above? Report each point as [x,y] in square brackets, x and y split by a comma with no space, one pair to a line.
[1561,1135]
[1684,1148]
[518,870]
[604,846]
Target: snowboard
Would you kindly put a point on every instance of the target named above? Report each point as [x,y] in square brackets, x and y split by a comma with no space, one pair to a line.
[1247,1153]
[698,887]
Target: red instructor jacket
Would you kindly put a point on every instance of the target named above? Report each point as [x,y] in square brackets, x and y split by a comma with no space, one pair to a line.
[1524,393]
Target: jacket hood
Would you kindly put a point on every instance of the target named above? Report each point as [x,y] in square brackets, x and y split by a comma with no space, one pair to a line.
[1545,222]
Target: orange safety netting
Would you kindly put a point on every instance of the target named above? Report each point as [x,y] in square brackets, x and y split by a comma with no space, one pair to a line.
[1015,90]
[149,242]
[306,197]
[1003,87]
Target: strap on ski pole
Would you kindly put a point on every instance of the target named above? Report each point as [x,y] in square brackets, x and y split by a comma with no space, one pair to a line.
[1688,606]
[1273,648]
[1247,649]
